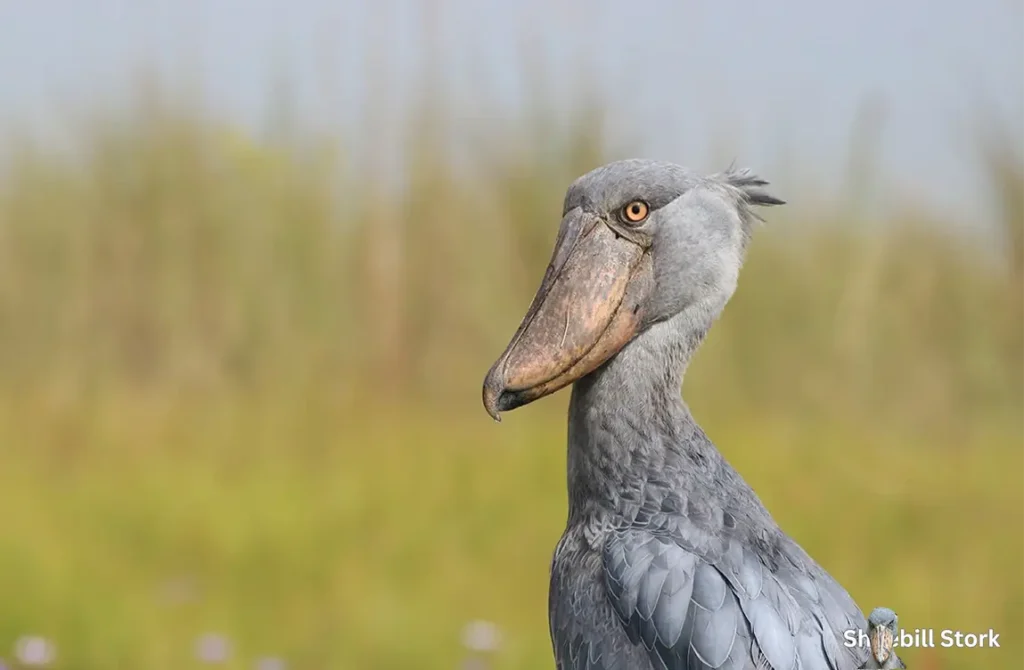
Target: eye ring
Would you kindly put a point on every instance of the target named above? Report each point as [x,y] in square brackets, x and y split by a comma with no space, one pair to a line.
[635,212]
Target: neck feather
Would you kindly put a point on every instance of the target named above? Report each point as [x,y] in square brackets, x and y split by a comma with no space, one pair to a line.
[628,424]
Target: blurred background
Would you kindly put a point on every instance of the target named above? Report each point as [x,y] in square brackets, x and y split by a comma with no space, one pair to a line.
[256,257]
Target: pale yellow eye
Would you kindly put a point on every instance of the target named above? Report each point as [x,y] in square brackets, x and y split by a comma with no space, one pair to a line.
[636,211]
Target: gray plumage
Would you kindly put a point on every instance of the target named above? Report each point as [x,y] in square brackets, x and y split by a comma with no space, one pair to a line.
[669,560]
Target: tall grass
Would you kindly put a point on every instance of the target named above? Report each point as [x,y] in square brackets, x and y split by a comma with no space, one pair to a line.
[240,385]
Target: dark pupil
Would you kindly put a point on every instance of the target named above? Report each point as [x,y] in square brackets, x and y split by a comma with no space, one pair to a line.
[635,209]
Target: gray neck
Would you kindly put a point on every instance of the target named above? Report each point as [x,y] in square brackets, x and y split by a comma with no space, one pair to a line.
[629,427]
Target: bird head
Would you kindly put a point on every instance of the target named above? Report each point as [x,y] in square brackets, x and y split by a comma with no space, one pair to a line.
[639,242]
[883,627]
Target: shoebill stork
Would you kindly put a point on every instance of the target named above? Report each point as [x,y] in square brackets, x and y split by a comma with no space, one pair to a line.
[883,627]
[669,560]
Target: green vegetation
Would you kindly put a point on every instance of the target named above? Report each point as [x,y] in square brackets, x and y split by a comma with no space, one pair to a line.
[240,393]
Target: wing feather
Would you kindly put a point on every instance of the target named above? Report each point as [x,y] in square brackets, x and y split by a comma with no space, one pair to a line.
[724,609]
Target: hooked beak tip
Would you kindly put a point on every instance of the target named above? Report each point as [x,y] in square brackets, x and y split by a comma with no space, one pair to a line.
[492,391]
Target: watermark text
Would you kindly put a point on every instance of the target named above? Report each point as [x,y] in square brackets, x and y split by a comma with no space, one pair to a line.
[929,637]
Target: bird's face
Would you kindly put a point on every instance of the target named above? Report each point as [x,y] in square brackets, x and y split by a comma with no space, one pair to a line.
[883,628]
[639,242]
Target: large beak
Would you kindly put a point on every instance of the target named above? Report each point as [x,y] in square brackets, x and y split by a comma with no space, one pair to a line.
[586,309]
[881,639]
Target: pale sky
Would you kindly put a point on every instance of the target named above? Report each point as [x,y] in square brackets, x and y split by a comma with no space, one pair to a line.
[768,83]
